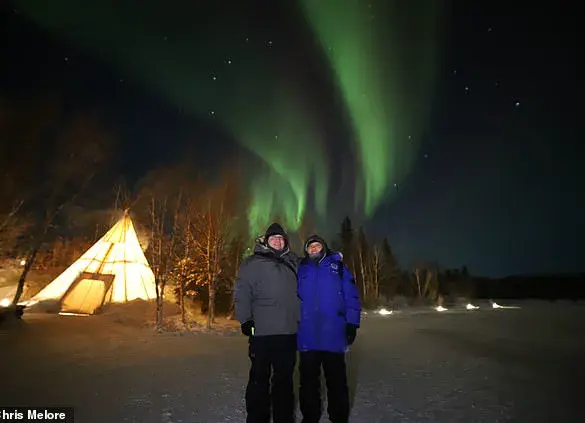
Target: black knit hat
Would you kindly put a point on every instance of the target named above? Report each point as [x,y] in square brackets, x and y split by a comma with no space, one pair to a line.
[316,238]
[275,229]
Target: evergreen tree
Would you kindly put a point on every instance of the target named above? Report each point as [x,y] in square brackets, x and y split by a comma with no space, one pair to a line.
[466,283]
[346,237]
[464,272]
[390,275]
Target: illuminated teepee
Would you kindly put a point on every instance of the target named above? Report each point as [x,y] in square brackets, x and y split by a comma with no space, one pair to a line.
[113,270]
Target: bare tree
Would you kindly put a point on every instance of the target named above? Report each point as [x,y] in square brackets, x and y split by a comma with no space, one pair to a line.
[21,142]
[161,204]
[426,280]
[363,253]
[13,225]
[122,196]
[67,161]
[164,213]
[191,227]
[184,270]
[187,243]
[213,223]
[233,258]
[377,261]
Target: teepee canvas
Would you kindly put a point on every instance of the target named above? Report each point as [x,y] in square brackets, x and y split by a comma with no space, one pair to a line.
[113,270]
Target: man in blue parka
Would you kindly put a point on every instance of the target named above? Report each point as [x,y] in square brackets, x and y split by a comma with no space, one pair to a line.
[330,317]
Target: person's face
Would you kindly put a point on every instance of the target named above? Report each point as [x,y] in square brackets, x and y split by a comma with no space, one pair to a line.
[314,248]
[276,241]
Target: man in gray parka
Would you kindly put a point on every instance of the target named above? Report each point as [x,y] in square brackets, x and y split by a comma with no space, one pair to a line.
[268,309]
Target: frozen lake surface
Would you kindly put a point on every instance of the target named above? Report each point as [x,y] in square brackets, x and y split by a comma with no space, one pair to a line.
[512,365]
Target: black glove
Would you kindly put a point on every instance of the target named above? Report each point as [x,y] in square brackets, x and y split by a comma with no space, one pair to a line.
[247,327]
[350,333]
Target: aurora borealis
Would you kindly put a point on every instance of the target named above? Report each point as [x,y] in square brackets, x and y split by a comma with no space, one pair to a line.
[386,81]
[450,127]
[223,70]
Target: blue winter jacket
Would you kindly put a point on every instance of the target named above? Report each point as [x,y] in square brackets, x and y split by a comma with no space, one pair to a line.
[329,300]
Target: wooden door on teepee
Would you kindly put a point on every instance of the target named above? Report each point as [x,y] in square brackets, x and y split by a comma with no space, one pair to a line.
[86,294]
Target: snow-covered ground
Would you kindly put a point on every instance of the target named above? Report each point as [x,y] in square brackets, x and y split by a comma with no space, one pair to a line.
[516,365]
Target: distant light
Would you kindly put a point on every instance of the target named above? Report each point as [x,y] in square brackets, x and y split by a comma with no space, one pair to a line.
[471,307]
[22,262]
[384,312]
[496,305]
[440,308]
[5,302]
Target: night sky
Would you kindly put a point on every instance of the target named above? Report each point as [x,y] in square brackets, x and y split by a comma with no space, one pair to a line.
[451,128]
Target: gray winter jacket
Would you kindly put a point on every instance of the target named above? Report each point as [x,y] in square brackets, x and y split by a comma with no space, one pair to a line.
[266,292]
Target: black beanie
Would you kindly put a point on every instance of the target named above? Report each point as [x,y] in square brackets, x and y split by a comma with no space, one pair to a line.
[274,229]
[315,238]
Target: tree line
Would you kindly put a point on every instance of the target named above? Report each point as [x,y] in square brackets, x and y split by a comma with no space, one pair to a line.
[192,227]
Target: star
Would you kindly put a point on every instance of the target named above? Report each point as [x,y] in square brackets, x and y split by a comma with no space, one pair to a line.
[229,61]
[66,59]
[466,89]
[165,38]
[517,104]
[212,113]
[269,43]
[214,77]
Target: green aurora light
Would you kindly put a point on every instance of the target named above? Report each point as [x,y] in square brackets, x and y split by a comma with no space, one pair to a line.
[386,80]
[263,112]
[385,86]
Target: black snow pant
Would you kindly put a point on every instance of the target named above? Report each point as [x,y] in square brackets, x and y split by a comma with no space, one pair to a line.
[335,380]
[270,385]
